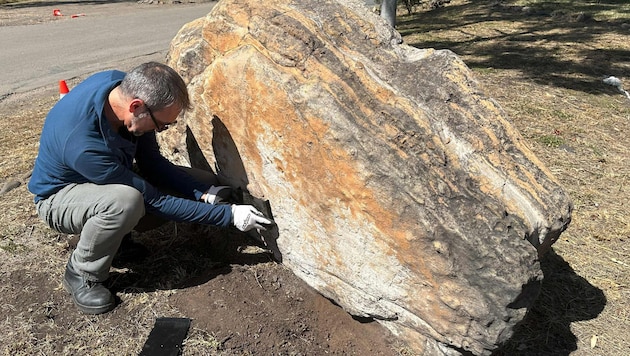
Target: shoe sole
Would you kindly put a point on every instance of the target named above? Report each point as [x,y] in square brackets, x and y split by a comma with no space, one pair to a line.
[86,308]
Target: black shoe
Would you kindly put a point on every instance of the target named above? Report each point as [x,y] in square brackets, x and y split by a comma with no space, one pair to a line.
[90,297]
[130,251]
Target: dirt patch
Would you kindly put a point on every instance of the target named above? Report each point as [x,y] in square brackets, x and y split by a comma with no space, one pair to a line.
[239,300]
[263,309]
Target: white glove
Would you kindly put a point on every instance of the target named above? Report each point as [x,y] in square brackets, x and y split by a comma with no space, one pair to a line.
[246,217]
[218,194]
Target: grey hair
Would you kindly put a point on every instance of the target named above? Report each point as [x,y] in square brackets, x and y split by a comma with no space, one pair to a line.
[157,84]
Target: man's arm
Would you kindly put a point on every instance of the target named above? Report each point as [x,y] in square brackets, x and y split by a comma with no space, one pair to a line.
[164,173]
[103,168]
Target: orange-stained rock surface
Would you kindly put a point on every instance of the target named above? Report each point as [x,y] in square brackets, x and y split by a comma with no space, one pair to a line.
[399,190]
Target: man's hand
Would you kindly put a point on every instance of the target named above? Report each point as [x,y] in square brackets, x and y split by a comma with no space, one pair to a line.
[246,217]
[218,195]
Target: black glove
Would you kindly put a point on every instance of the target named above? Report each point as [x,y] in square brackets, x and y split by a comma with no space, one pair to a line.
[221,194]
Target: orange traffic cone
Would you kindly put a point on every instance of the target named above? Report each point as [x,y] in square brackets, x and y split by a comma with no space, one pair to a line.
[57,12]
[63,89]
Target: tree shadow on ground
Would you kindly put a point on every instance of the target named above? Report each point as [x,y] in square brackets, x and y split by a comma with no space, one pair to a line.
[546,42]
[564,298]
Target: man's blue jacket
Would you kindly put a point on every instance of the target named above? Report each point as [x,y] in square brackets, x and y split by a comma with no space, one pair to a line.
[78,145]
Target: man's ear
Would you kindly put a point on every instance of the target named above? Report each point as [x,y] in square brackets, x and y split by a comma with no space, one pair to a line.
[135,105]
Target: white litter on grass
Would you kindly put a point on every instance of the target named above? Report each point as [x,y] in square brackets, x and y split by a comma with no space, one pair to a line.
[616,82]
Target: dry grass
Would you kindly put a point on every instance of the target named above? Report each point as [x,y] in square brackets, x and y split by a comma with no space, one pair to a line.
[543,63]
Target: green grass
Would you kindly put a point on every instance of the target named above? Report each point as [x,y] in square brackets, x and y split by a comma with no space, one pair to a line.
[10,246]
[551,140]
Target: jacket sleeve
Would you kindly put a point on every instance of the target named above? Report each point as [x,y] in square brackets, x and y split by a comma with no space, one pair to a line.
[104,168]
[163,172]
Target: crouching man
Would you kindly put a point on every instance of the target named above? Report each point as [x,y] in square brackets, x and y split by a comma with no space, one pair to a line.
[84,183]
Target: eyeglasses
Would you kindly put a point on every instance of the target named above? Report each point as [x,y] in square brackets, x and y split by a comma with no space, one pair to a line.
[158,125]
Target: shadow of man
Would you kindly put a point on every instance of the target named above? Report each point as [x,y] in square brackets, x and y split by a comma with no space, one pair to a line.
[231,171]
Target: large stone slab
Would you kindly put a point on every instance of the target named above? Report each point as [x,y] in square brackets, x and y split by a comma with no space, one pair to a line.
[399,189]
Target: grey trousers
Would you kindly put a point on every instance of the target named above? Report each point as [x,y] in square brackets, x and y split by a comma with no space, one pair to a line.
[102,215]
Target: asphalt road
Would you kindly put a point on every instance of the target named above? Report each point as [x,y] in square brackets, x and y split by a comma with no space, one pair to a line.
[35,57]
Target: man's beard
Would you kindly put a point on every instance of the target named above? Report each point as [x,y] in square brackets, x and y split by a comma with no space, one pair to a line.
[136,132]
